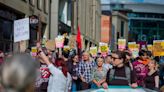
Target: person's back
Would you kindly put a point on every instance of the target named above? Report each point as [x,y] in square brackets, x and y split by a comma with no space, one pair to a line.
[57,79]
[18,74]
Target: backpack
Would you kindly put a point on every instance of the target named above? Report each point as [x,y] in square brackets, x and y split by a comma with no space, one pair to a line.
[128,75]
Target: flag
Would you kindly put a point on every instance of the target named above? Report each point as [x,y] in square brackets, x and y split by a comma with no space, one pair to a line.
[78,38]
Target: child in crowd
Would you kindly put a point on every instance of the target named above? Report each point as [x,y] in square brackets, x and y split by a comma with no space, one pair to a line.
[108,62]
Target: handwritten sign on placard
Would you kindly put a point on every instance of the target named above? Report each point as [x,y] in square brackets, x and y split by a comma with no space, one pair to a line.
[21,30]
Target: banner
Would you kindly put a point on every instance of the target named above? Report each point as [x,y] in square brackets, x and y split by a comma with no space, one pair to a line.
[103,48]
[33,51]
[21,30]
[59,42]
[93,51]
[121,44]
[158,47]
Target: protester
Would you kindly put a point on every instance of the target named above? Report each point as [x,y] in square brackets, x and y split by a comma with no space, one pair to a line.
[129,60]
[1,57]
[161,70]
[60,79]
[152,78]
[73,69]
[140,68]
[98,74]
[18,74]
[84,71]
[120,74]
[108,62]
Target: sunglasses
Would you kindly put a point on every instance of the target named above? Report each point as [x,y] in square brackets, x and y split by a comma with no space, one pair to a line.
[114,58]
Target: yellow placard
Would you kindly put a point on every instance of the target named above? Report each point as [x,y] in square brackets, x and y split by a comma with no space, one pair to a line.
[103,47]
[158,48]
[150,47]
[93,51]
[132,45]
[121,43]
[33,49]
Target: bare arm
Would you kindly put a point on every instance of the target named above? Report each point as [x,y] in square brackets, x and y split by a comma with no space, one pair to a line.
[94,81]
[102,81]
[45,58]
[157,81]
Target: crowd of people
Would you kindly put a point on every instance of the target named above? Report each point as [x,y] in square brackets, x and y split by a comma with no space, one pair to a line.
[51,72]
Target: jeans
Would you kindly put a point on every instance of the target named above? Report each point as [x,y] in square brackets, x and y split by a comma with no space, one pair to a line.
[74,87]
[94,86]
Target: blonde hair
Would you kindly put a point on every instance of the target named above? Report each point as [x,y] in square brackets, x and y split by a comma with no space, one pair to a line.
[155,63]
[100,59]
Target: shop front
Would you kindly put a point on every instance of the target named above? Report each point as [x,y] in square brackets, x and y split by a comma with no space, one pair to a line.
[7,17]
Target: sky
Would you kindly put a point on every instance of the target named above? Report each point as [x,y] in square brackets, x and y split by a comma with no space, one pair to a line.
[150,1]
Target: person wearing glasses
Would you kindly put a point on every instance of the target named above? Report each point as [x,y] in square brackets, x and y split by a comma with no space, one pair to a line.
[120,74]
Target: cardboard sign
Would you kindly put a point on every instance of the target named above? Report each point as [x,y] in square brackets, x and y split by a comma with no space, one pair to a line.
[121,44]
[93,51]
[34,51]
[22,46]
[158,47]
[21,30]
[59,42]
[50,45]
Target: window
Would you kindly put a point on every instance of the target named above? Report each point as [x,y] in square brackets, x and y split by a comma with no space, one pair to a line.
[6,35]
[122,28]
[40,4]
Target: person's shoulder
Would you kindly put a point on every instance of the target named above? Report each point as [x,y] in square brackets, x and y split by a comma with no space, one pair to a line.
[156,73]
[135,62]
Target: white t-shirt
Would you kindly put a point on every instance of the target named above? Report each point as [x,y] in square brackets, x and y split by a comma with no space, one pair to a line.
[57,81]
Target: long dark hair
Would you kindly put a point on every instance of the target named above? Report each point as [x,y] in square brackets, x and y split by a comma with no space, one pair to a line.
[59,62]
